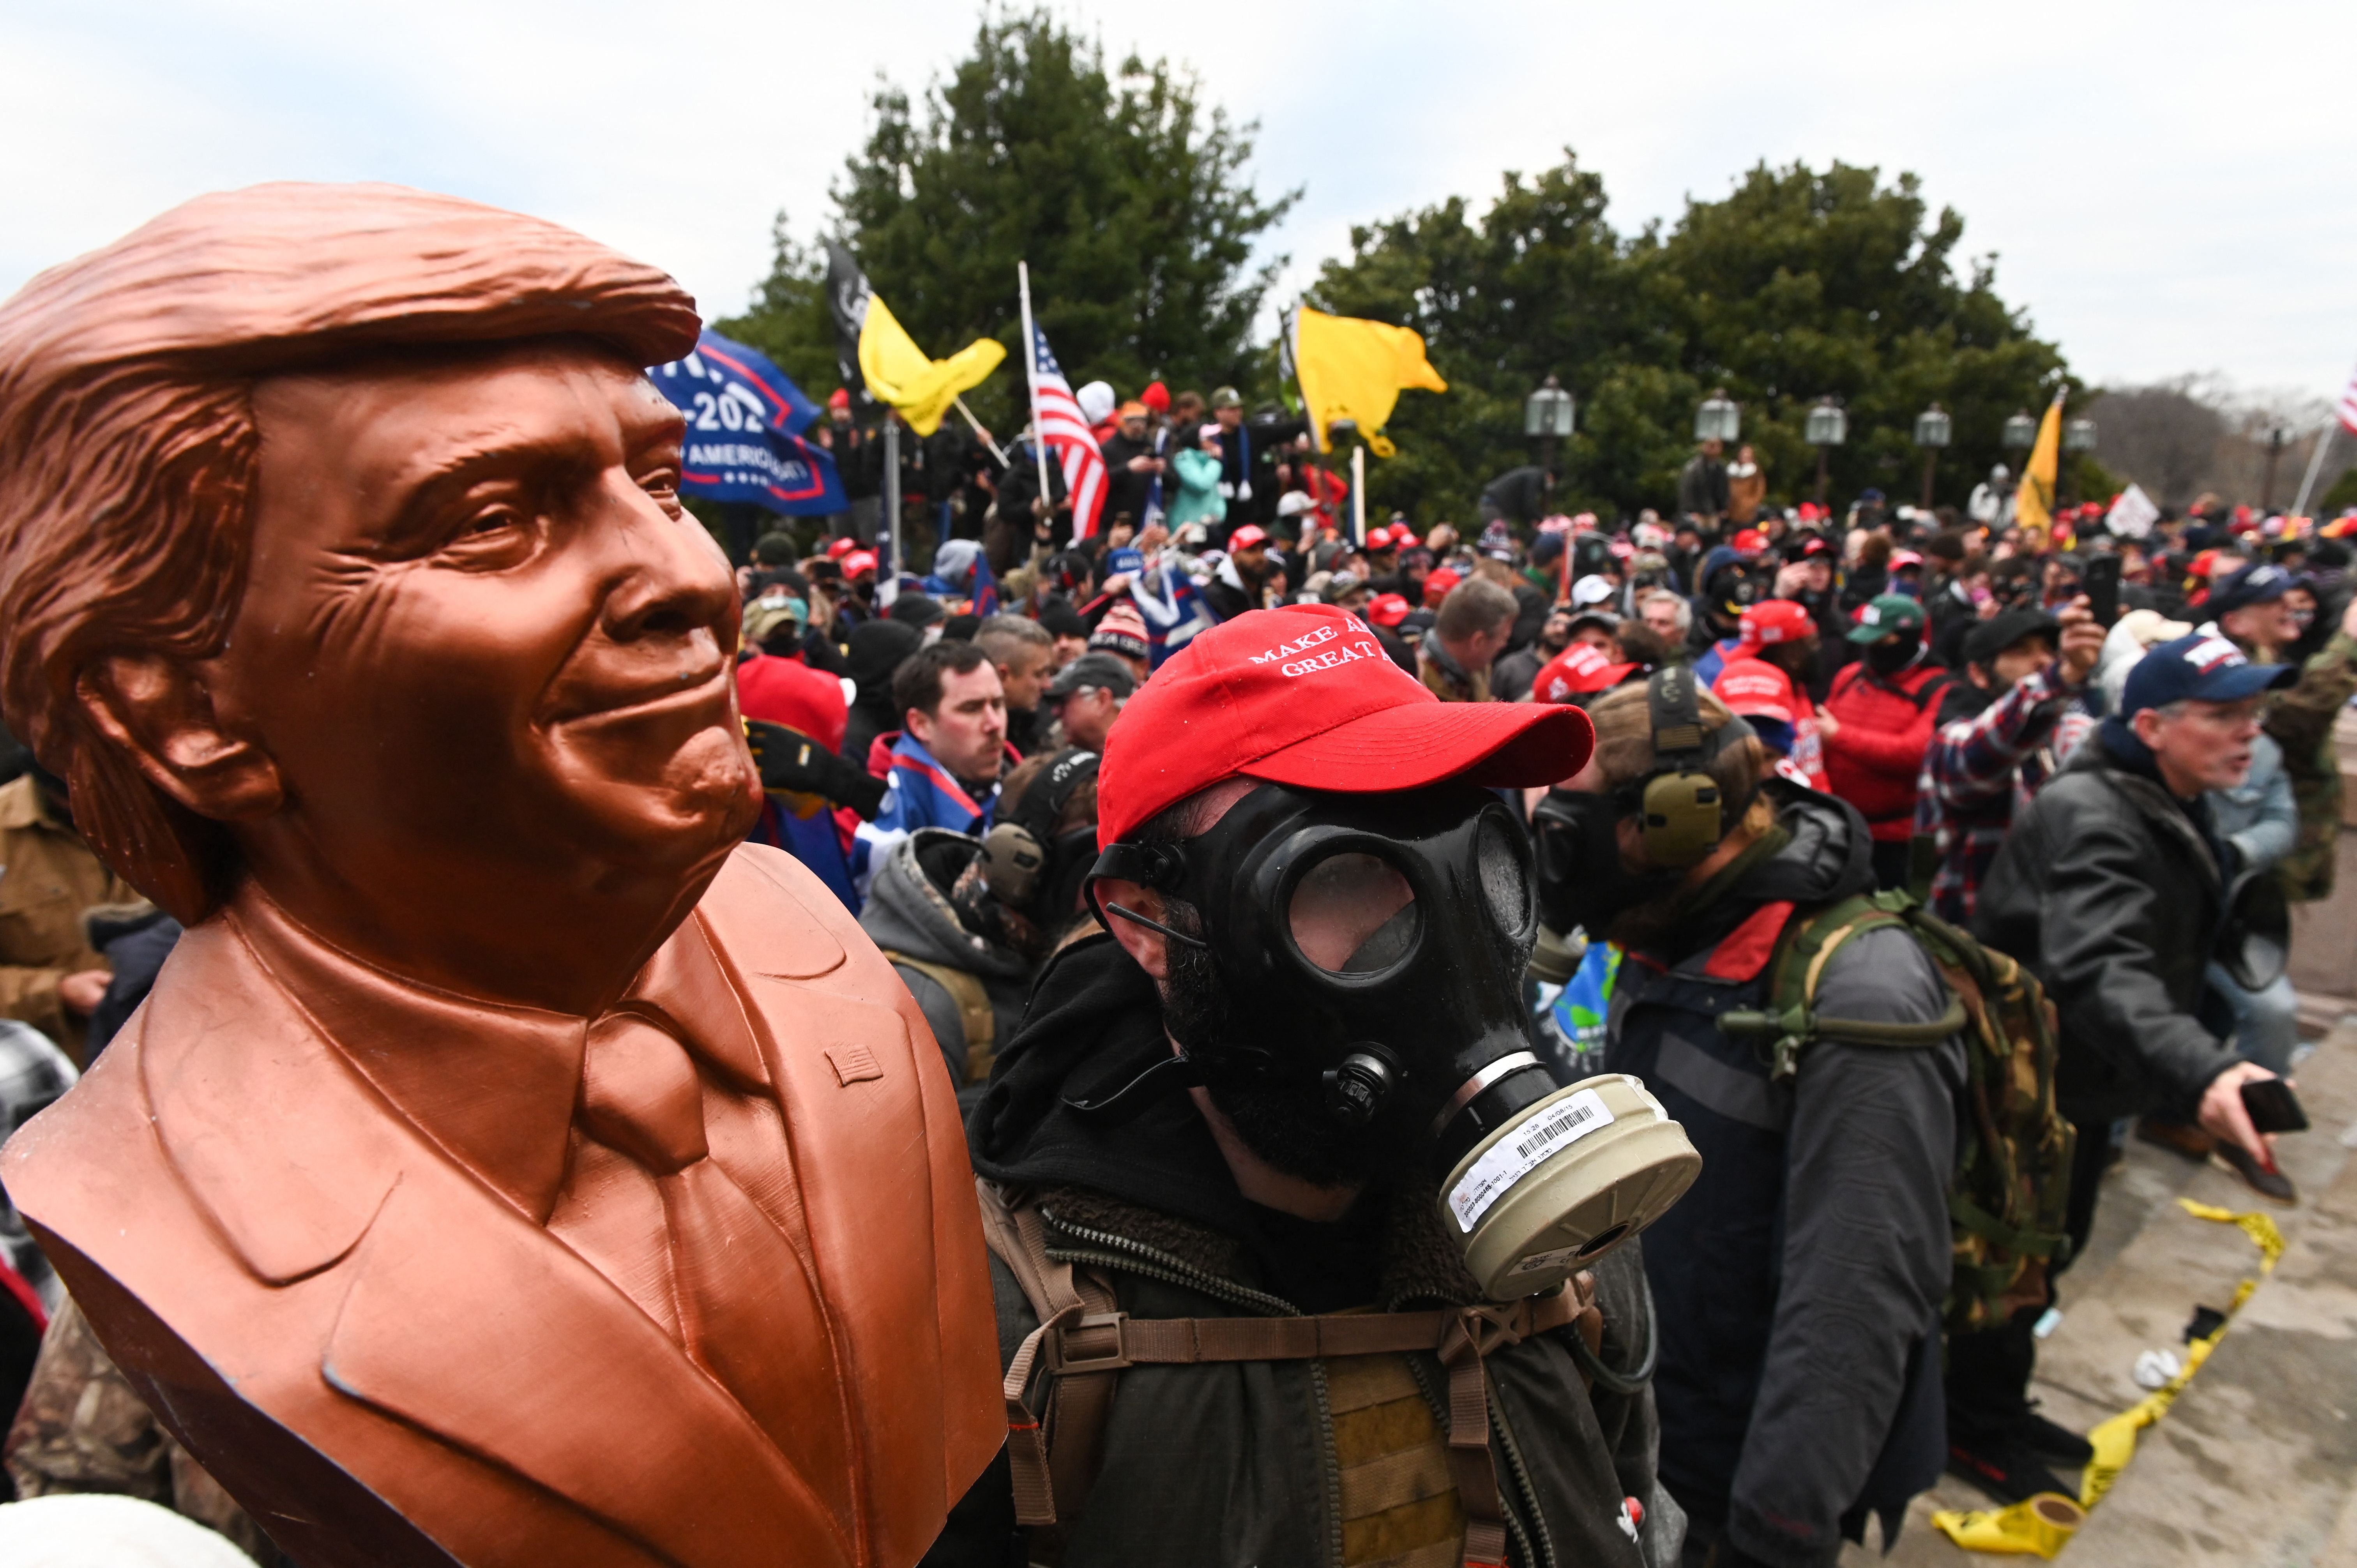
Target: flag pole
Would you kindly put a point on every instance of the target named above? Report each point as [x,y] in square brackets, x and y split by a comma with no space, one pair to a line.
[1031,380]
[1359,493]
[959,399]
[2315,462]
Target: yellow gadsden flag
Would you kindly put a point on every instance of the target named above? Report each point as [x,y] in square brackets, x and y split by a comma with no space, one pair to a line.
[897,372]
[2033,504]
[1355,369]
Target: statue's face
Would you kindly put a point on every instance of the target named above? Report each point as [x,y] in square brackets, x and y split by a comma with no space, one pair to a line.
[478,631]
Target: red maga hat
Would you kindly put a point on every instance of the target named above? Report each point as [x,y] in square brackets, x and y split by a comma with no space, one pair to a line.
[1305,695]
[1387,609]
[1773,620]
[1578,671]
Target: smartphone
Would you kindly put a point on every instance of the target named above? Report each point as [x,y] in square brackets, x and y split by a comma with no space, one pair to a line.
[2273,1106]
[2101,583]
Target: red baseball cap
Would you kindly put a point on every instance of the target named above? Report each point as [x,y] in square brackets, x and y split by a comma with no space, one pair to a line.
[839,398]
[1773,620]
[1305,695]
[857,562]
[1576,671]
[1437,585]
[836,549]
[1755,688]
[1387,609]
[1247,536]
[1750,542]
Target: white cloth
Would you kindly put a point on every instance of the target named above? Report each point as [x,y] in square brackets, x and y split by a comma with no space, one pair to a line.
[102,1529]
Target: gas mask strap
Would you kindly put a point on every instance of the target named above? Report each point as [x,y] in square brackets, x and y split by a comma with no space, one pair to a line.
[1162,867]
[1134,1099]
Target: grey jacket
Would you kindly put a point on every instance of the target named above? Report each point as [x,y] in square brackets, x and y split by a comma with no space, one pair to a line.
[908,913]
[2259,816]
[1798,1283]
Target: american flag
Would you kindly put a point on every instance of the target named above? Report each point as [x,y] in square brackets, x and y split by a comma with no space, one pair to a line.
[2347,411]
[1065,431]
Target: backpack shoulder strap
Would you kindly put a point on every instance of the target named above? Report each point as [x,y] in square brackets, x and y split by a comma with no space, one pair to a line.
[1083,1344]
[1798,969]
[975,1012]
[1051,1455]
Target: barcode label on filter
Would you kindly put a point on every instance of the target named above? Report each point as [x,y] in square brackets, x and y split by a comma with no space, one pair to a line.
[1514,1156]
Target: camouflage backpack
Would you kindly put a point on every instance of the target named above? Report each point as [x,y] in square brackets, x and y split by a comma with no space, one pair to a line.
[2012,1183]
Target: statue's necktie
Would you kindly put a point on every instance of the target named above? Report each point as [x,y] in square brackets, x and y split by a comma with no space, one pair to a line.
[748,1311]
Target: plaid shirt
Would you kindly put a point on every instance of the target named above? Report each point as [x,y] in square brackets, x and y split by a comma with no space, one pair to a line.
[33,1072]
[1979,770]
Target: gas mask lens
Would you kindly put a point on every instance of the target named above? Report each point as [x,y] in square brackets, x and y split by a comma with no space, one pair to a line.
[1353,913]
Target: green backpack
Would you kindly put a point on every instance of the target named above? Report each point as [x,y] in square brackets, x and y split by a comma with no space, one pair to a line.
[2012,1185]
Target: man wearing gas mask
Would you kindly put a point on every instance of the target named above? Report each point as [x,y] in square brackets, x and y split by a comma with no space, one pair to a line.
[1300,1255]
[1799,1284]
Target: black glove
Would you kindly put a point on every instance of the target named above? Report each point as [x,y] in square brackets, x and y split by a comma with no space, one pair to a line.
[792,763]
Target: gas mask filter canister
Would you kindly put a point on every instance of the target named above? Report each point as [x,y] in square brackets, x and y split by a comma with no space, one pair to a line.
[1372,946]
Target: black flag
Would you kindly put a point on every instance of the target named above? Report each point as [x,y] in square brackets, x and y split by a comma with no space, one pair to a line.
[847,297]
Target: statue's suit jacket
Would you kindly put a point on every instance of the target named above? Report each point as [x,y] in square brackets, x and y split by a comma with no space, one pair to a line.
[389,1363]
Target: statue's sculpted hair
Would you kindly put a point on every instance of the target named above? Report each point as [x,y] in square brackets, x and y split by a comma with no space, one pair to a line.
[128,447]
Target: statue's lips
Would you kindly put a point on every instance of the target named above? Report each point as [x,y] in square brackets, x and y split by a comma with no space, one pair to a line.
[703,685]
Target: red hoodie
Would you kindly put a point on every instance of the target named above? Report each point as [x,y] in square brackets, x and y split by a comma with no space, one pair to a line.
[1876,756]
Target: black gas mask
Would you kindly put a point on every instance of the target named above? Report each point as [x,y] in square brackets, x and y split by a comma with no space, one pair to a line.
[1681,815]
[1369,951]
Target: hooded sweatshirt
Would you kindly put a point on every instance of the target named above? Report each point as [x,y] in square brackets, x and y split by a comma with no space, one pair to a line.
[908,915]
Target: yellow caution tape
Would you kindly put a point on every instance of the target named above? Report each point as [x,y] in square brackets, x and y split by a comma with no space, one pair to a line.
[2259,1228]
[2115,1440]
[2038,1527]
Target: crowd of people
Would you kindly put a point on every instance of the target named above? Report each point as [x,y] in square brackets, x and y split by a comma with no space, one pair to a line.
[2106,756]
[1910,683]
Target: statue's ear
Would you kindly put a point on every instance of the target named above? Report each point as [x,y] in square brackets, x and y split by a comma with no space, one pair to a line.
[158,710]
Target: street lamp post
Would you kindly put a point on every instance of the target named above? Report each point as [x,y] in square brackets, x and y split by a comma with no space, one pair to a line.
[2278,438]
[1828,428]
[1718,419]
[1547,413]
[2020,431]
[1933,430]
[2078,440]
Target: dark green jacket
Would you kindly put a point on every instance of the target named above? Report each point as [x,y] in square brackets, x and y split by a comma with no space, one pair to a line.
[1233,1465]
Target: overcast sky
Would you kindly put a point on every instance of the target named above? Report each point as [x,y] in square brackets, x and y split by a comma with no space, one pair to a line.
[2170,188]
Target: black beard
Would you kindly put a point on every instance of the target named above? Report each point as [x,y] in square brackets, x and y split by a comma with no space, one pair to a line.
[1282,1120]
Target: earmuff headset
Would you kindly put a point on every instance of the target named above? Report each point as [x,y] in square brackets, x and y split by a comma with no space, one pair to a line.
[1017,855]
[1680,809]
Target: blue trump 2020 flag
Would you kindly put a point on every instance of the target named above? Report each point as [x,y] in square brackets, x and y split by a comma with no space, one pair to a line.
[745,422]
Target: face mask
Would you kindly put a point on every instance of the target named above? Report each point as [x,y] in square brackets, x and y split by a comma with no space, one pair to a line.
[1889,659]
[1366,955]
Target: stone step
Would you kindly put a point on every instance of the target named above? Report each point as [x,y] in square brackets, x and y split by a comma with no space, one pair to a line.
[2257,1462]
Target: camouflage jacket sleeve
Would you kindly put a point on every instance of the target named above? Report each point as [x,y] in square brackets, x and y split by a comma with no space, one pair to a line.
[82,1429]
[2300,720]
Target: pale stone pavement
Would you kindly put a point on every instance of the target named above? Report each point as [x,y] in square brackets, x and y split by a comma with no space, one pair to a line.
[2257,1465]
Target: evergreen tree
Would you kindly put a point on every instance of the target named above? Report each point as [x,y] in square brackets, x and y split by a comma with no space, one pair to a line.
[1129,200]
[1798,285]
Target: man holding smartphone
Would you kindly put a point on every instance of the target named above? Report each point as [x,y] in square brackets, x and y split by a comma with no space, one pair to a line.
[2113,886]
